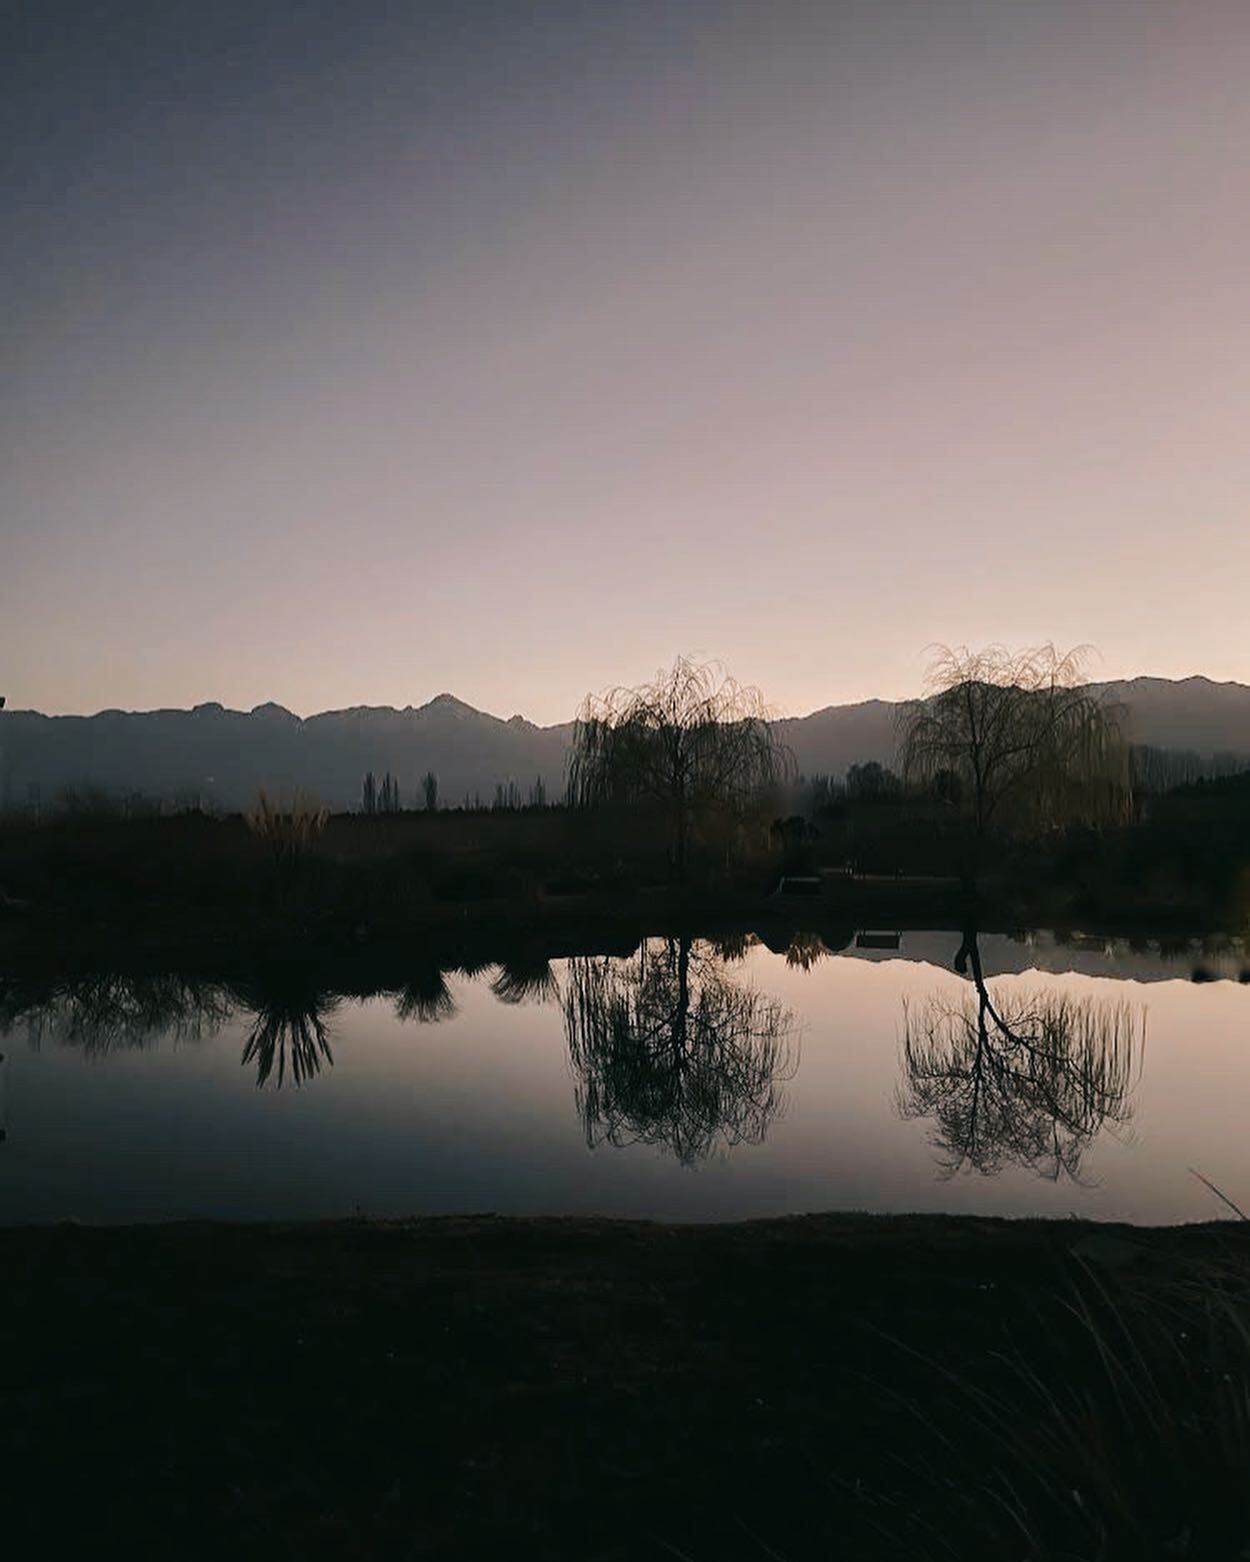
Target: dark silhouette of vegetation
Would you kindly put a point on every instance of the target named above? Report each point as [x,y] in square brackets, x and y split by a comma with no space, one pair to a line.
[1017,1077]
[383,799]
[1117,1425]
[291,1008]
[658,1383]
[694,744]
[668,1050]
[104,1011]
[1159,770]
[525,977]
[806,950]
[1017,742]
[822,796]
[871,782]
[425,997]
[1015,779]
[1182,862]
[289,832]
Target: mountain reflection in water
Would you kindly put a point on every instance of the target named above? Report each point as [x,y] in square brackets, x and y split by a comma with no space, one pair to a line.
[558,1081]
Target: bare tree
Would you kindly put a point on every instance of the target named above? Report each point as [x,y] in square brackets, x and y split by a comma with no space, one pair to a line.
[1023,1078]
[1018,740]
[667,1050]
[429,788]
[694,742]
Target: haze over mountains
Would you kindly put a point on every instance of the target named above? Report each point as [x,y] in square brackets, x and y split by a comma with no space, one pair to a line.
[222,757]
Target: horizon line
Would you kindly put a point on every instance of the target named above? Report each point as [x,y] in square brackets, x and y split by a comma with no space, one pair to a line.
[447,698]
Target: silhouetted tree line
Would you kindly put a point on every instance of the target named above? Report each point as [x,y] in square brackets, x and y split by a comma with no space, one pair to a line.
[385,798]
[375,799]
[509,798]
[1157,770]
[90,802]
[1152,771]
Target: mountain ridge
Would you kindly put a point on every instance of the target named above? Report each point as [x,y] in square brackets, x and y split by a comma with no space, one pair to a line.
[221,755]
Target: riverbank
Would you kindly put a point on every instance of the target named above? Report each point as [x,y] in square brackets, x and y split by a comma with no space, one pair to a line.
[482,1387]
[364,950]
[167,889]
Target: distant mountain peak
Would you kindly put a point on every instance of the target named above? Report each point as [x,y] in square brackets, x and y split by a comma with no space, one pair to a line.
[167,753]
[1154,680]
[448,704]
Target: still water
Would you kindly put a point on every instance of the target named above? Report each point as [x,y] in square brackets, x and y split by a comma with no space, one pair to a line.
[690,1081]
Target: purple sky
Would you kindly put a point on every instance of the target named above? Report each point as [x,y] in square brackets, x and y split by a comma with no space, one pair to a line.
[356,352]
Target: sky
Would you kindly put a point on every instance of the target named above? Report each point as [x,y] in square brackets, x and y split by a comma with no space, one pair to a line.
[353,352]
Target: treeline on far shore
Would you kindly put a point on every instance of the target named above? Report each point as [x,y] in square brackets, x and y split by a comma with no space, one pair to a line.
[1182,857]
[1015,781]
[1153,771]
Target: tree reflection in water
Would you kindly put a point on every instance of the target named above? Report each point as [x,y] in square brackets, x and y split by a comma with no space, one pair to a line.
[425,997]
[668,1051]
[805,951]
[103,1011]
[525,977]
[291,1008]
[1018,1078]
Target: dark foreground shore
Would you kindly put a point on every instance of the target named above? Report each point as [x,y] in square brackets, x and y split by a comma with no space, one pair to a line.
[484,1387]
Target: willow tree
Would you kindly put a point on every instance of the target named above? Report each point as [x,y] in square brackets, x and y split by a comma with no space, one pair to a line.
[1019,1077]
[695,743]
[1018,740]
[102,1012]
[667,1050]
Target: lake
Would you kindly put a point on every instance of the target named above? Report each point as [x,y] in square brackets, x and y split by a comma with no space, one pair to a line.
[691,1081]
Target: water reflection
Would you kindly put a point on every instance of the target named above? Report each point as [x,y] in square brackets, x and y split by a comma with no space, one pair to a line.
[526,978]
[102,1012]
[1024,1078]
[425,997]
[667,1050]
[806,950]
[291,1009]
[732,948]
[669,1045]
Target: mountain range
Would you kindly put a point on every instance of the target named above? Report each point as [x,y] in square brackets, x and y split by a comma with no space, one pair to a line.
[222,757]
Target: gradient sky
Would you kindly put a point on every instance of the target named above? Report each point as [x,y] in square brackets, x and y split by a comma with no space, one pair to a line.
[353,352]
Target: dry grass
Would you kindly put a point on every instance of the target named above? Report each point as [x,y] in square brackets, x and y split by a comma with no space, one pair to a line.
[1119,1426]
